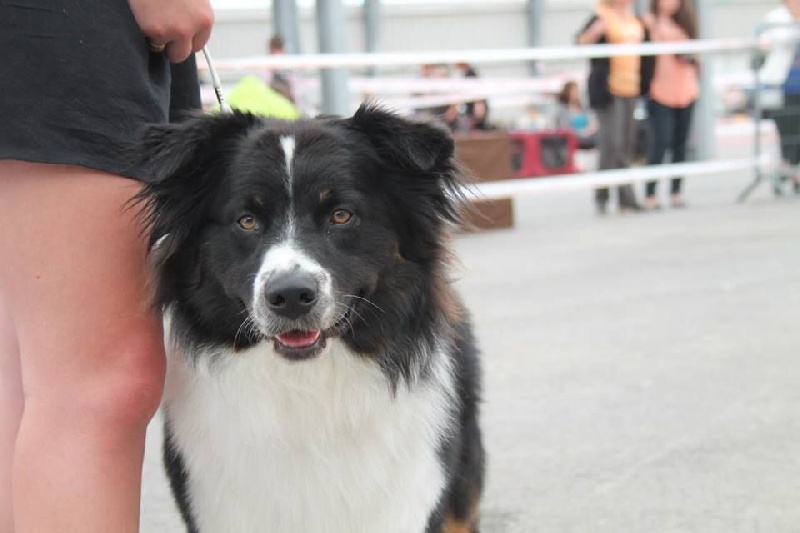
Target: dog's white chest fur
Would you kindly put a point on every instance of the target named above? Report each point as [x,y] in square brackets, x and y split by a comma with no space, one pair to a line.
[319,446]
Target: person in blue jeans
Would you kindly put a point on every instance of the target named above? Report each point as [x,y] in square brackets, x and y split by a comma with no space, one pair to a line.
[673,92]
[787,120]
[668,128]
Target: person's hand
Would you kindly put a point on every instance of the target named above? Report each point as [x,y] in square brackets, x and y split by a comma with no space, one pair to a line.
[451,114]
[178,27]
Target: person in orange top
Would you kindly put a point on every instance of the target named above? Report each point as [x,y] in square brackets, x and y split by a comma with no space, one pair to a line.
[673,91]
[614,86]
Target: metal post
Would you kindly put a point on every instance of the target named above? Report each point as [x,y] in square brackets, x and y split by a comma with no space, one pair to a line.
[294,17]
[534,15]
[331,35]
[372,18]
[758,174]
[282,22]
[643,6]
[704,118]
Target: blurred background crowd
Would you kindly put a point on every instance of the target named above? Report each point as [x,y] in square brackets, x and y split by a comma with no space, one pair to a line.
[559,116]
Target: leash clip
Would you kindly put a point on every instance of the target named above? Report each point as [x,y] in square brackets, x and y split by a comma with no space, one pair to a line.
[223,105]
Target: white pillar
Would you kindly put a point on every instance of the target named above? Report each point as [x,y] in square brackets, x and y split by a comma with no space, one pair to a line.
[704,113]
[534,16]
[331,27]
[372,20]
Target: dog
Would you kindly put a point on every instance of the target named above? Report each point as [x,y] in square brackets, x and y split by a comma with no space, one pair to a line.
[322,373]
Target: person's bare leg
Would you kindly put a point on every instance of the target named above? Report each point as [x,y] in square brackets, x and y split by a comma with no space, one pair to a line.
[10,412]
[91,348]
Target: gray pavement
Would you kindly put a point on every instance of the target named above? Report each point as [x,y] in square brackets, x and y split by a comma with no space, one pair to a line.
[642,372]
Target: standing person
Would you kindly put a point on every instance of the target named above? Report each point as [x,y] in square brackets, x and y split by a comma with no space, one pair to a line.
[448,114]
[781,73]
[81,351]
[281,79]
[476,113]
[615,84]
[673,92]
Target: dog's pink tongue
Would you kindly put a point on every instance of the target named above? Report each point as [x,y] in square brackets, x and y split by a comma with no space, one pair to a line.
[298,338]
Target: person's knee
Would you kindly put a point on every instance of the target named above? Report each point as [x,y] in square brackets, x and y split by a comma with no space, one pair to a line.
[120,391]
[131,393]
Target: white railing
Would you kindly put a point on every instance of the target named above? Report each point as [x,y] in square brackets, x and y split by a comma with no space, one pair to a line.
[512,55]
[450,91]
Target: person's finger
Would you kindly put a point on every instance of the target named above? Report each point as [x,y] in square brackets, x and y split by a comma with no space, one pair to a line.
[177,51]
[200,39]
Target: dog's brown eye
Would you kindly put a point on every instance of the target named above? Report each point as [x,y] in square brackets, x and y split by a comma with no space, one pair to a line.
[341,216]
[248,222]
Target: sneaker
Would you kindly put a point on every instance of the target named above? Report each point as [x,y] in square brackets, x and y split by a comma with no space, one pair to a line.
[677,202]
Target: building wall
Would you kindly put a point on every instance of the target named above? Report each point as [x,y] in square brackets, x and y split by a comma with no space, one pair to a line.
[494,24]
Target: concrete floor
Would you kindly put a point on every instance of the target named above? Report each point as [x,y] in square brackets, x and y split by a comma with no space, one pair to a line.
[642,372]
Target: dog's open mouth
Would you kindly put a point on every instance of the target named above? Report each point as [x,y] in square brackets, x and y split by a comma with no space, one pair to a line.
[302,344]
[298,344]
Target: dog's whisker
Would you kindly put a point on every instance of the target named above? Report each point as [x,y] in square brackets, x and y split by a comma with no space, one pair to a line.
[356,297]
[243,326]
[373,304]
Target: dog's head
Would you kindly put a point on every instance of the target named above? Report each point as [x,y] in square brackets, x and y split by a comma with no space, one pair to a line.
[297,232]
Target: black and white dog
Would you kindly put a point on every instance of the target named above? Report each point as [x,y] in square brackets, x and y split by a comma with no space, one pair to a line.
[322,373]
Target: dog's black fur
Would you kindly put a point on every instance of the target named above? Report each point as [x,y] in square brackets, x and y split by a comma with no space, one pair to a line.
[400,182]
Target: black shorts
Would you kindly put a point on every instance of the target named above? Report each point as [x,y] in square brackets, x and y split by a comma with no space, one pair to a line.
[78,82]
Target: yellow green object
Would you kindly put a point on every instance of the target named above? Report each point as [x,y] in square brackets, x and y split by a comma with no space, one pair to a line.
[252,95]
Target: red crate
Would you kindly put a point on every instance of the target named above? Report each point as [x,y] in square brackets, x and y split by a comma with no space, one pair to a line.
[543,153]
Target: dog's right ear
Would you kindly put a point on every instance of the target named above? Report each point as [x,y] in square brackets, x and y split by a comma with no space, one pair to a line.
[183,164]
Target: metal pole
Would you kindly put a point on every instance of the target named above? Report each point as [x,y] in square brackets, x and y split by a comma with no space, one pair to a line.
[331,35]
[294,24]
[534,15]
[704,118]
[282,22]
[643,6]
[758,175]
[372,18]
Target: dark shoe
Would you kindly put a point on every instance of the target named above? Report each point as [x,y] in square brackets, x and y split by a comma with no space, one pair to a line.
[631,208]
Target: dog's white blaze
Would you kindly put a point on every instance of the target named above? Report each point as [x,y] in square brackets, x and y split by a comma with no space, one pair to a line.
[317,446]
[287,144]
[284,258]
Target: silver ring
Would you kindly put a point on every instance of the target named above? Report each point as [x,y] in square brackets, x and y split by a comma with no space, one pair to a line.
[157,48]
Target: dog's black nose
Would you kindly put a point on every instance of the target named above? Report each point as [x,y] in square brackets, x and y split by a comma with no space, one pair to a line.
[292,295]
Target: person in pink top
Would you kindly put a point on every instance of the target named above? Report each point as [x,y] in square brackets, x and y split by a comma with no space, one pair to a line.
[673,92]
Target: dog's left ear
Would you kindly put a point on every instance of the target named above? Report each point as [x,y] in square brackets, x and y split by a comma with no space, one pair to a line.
[417,146]
[421,152]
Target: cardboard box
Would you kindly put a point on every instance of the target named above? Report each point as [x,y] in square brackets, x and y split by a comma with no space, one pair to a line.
[489,214]
[486,156]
